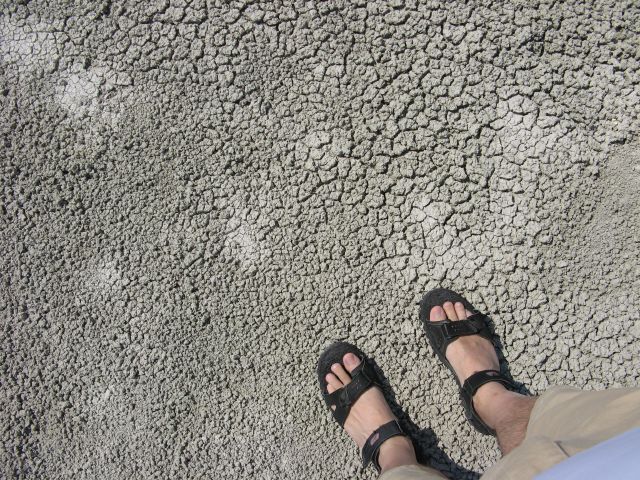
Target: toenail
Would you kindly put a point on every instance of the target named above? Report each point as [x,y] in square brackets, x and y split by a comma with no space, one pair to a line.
[335,366]
[350,358]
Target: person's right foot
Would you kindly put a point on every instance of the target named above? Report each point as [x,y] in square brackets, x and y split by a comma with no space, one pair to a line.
[470,354]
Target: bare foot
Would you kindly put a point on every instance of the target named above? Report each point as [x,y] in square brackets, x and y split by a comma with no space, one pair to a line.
[368,413]
[504,411]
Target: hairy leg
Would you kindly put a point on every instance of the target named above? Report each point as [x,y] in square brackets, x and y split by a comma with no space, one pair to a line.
[505,411]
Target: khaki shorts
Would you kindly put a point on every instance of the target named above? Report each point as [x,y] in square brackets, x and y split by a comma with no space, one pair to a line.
[564,421]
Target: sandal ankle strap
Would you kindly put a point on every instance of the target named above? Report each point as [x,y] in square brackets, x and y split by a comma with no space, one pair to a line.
[478,379]
[371,448]
[469,389]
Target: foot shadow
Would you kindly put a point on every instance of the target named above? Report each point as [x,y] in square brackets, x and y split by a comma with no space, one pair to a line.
[504,364]
[424,439]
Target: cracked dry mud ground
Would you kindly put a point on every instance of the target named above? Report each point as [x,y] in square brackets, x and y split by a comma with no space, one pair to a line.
[197,197]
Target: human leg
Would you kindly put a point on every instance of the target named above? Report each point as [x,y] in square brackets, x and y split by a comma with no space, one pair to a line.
[533,433]
[503,411]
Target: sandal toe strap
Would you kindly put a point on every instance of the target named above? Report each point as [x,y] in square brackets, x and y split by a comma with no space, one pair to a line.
[471,326]
[371,448]
[363,377]
[442,333]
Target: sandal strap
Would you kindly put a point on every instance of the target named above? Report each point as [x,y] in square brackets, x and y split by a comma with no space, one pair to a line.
[371,448]
[471,326]
[471,386]
[363,377]
[475,381]
[444,332]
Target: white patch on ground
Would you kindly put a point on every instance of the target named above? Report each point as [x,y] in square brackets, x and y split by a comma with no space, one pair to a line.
[243,240]
[102,278]
[77,92]
[241,244]
[80,92]
[29,46]
[34,45]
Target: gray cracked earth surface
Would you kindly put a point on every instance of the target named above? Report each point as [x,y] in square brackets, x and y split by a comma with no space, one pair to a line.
[198,196]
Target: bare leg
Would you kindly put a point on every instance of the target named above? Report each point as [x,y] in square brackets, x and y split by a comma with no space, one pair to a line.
[505,411]
[395,452]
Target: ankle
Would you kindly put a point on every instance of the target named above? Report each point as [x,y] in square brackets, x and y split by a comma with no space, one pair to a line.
[496,405]
[512,427]
[507,413]
[395,452]
[489,401]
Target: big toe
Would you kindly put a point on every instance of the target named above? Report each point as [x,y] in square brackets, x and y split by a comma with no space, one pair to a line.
[351,362]
[437,314]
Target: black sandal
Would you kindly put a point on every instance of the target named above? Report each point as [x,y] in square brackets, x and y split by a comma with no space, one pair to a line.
[363,378]
[442,333]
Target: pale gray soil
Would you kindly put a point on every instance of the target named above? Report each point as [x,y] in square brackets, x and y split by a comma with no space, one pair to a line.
[198,197]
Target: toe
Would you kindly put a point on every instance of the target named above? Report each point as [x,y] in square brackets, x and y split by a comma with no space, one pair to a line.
[460,311]
[450,311]
[333,383]
[339,371]
[437,314]
[351,362]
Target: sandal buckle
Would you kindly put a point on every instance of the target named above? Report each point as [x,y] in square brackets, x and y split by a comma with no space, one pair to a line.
[463,327]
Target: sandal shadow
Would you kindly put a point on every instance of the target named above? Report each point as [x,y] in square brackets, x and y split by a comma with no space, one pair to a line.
[424,439]
[504,363]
